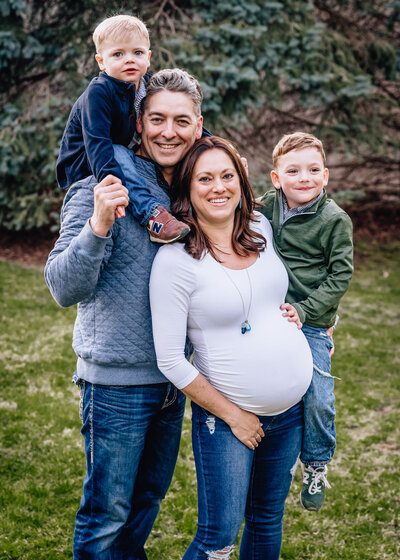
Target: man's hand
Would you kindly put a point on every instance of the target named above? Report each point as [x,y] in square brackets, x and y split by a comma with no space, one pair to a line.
[291,314]
[245,165]
[120,212]
[110,196]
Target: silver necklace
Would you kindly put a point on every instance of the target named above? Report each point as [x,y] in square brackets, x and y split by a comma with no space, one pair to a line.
[245,326]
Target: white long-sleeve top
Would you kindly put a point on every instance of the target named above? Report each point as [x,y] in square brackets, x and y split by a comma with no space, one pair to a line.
[264,371]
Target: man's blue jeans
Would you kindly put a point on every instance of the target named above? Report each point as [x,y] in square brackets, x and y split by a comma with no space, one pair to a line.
[131,437]
[235,482]
[142,201]
[319,439]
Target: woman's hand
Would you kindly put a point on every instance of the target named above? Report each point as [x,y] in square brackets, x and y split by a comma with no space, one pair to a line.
[244,425]
[247,428]
[291,314]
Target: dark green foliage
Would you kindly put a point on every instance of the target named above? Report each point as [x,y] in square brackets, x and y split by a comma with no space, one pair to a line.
[28,149]
[266,68]
[46,60]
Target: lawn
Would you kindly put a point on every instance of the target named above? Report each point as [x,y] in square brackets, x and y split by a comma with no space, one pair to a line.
[42,463]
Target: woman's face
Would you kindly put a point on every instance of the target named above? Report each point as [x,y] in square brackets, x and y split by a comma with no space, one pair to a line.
[215,188]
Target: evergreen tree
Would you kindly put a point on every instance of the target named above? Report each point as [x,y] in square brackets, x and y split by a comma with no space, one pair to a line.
[266,68]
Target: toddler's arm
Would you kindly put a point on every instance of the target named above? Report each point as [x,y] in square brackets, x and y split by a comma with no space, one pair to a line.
[97,114]
[96,119]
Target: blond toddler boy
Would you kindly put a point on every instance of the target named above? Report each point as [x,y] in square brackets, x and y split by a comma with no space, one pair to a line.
[106,114]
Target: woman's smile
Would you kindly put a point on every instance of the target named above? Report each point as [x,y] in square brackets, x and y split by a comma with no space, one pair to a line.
[215,189]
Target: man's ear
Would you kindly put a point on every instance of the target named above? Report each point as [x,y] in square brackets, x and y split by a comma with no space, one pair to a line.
[199,128]
[139,124]
[275,179]
[99,60]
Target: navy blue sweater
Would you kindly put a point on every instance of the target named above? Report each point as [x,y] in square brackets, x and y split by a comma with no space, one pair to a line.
[102,116]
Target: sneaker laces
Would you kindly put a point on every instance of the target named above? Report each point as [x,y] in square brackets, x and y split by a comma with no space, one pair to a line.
[318,477]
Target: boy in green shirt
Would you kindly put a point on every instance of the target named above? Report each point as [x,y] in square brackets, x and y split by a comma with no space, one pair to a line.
[313,237]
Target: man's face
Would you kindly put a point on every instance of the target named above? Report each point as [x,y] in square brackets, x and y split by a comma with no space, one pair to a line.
[169,127]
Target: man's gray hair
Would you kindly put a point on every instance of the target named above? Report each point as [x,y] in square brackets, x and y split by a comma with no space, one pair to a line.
[175,79]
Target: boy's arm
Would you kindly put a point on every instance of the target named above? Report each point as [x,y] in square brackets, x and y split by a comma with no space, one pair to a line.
[96,116]
[337,241]
[102,153]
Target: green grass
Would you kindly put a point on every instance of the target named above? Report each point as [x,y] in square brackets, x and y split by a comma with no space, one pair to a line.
[42,462]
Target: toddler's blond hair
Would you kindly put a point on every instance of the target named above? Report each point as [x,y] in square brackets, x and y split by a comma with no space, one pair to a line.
[120,27]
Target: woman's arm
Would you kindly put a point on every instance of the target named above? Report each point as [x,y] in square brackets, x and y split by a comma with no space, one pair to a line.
[171,284]
[244,425]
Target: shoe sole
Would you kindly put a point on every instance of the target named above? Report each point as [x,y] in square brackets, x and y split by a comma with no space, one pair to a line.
[306,508]
[181,235]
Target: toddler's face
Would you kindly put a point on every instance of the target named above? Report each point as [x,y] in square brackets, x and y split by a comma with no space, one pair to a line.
[301,175]
[126,60]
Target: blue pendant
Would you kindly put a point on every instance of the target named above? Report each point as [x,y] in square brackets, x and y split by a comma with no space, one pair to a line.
[245,327]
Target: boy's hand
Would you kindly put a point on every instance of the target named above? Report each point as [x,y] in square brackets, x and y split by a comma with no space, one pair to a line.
[109,194]
[291,314]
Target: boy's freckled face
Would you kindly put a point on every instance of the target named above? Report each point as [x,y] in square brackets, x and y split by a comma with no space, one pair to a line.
[301,175]
[126,59]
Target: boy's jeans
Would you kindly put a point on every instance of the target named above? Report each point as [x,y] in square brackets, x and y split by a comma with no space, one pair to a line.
[131,437]
[234,482]
[319,440]
[142,201]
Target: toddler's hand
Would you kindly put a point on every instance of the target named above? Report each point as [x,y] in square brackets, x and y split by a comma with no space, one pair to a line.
[291,314]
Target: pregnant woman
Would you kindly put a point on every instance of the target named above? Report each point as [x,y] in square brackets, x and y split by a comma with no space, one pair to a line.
[224,288]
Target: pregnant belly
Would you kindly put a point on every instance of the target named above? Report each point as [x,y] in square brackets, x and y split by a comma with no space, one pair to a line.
[268,370]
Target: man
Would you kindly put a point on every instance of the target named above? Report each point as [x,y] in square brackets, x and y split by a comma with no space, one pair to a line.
[131,415]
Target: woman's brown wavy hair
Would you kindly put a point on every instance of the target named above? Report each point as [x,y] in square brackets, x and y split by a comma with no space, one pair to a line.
[244,239]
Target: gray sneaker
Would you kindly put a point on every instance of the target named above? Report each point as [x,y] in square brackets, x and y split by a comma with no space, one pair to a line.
[314,482]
